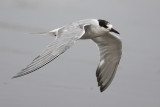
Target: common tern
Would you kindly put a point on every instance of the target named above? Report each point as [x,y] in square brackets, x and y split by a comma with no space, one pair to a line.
[109,44]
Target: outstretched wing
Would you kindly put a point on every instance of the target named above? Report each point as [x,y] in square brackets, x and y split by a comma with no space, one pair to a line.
[66,37]
[110,48]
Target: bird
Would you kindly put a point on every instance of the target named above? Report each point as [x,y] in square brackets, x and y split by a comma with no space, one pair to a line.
[98,30]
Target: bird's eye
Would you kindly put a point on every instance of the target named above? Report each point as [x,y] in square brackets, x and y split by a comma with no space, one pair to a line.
[105,26]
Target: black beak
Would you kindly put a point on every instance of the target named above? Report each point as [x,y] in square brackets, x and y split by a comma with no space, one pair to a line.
[113,30]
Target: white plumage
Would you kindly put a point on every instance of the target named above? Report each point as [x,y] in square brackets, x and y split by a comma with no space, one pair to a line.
[99,31]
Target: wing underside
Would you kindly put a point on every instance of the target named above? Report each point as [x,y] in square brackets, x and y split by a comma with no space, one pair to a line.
[110,53]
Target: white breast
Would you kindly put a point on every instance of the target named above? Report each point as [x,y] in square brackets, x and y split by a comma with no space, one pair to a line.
[94,30]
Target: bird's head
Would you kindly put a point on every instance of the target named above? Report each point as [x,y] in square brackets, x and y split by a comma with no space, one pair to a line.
[107,25]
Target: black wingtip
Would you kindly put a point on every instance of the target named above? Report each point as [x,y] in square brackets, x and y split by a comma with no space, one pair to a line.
[101,90]
[16,76]
[13,77]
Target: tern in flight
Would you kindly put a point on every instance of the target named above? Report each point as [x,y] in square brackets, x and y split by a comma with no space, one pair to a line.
[109,44]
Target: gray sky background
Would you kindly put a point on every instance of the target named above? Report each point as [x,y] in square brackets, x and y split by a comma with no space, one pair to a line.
[70,81]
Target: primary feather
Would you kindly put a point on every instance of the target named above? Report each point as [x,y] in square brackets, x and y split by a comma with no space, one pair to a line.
[110,47]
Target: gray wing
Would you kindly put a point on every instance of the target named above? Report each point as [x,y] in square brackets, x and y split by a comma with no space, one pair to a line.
[110,48]
[66,37]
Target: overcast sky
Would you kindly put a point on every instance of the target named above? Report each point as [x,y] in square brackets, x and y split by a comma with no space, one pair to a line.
[70,79]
